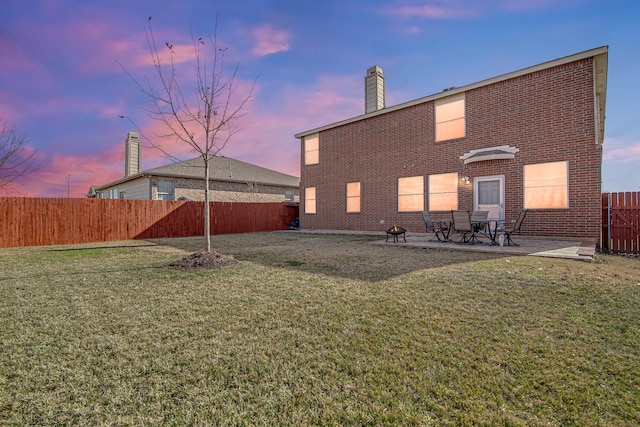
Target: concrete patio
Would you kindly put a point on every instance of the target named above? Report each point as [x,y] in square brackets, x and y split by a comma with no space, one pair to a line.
[554,247]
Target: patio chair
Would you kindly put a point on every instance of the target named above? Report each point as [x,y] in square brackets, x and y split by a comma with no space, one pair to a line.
[439,228]
[479,220]
[462,225]
[514,228]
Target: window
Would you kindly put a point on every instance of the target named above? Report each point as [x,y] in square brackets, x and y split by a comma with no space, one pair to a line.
[443,192]
[311,149]
[310,200]
[165,189]
[353,196]
[411,194]
[113,193]
[450,120]
[288,194]
[546,186]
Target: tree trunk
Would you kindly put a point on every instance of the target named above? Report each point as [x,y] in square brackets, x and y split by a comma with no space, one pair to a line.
[207,216]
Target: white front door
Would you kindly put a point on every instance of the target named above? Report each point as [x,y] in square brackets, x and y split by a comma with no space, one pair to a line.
[488,195]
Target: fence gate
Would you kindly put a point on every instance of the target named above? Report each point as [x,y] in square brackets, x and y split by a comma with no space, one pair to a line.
[621,223]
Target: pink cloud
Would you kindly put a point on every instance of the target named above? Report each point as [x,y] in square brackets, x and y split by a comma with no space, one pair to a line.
[269,40]
[267,138]
[465,9]
[93,42]
[155,133]
[520,5]
[268,135]
[72,173]
[8,111]
[100,49]
[438,10]
[13,57]
[619,151]
[431,12]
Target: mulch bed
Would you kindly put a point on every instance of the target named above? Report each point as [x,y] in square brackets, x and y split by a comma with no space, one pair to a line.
[203,261]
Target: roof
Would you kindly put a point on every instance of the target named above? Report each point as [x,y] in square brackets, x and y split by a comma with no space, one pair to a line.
[600,86]
[220,169]
[491,153]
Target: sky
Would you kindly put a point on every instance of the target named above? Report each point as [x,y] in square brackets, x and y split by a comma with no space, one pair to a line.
[66,69]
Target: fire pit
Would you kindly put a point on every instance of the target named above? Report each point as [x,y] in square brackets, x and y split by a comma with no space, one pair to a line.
[396,232]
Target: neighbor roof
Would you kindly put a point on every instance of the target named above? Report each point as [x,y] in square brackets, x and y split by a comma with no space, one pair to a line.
[220,169]
[600,87]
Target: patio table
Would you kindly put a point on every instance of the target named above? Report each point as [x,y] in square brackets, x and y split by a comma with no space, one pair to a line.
[477,228]
[445,228]
[492,234]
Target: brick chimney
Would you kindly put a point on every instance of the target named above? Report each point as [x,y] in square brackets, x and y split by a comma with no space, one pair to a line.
[132,162]
[373,90]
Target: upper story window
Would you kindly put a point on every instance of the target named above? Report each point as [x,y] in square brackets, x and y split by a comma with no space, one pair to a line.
[165,189]
[311,149]
[546,186]
[411,194]
[450,117]
[443,192]
[288,194]
[353,197]
[310,200]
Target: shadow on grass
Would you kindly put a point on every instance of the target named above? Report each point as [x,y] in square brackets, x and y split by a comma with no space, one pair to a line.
[90,246]
[49,274]
[346,256]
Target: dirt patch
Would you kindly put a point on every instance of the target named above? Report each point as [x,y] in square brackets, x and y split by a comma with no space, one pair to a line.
[203,261]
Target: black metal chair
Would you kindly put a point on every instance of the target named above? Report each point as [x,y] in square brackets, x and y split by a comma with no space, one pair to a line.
[440,228]
[462,225]
[514,228]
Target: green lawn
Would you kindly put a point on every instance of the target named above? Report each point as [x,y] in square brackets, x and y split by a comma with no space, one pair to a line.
[315,330]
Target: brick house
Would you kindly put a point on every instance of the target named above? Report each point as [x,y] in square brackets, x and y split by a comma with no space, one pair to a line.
[530,139]
[230,180]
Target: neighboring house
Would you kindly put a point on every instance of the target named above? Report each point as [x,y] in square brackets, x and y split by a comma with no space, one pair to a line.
[530,139]
[230,180]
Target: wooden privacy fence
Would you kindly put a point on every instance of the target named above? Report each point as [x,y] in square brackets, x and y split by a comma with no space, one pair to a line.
[621,223]
[36,222]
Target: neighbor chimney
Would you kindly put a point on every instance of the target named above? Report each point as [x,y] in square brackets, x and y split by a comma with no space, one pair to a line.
[373,90]
[131,154]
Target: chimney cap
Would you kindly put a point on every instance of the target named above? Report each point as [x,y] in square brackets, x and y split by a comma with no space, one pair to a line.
[373,70]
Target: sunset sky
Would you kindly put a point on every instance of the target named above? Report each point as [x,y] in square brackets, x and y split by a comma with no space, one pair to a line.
[60,82]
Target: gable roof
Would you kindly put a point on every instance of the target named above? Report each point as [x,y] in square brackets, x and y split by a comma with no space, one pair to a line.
[220,169]
[600,87]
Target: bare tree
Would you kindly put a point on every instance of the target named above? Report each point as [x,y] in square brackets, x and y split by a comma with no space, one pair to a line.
[16,157]
[200,109]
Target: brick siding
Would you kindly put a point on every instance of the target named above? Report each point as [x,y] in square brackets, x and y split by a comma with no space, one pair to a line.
[193,189]
[548,115]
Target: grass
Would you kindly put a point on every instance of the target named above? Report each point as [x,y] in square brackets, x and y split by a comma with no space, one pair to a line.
[315,330]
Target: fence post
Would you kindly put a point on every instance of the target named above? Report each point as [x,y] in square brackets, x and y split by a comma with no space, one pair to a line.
[609,219]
